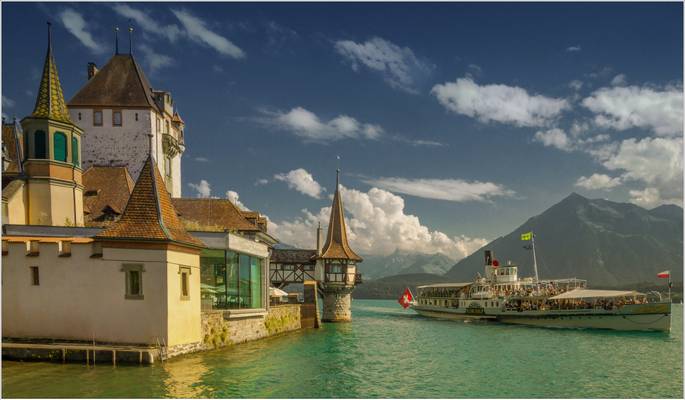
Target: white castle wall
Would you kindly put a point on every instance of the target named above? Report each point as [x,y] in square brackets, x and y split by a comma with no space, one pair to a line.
[123,145]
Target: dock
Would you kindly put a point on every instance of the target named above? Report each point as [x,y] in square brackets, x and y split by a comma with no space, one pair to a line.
[81,352]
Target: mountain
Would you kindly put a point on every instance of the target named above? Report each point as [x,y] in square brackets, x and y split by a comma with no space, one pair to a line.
[392,287]
[397,263]
[605,242]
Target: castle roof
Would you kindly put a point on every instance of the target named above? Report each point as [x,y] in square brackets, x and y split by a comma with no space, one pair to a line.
[212,215]
[149,213]
[120,83]
[106,190]
[50,100]
[336,246]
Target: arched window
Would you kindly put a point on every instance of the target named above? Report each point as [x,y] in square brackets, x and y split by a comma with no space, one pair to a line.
[74,151]
[60,150]
[39,146]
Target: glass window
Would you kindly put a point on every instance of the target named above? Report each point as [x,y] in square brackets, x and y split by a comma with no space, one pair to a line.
[74,151]
[97,117]
[256,282]
[116,117]
[167,166]
[40,148]
[60,146]
[244,283]
[230,280]
[35,276]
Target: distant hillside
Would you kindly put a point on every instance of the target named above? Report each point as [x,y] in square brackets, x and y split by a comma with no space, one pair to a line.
[398,263]
[393,286]
[607,243]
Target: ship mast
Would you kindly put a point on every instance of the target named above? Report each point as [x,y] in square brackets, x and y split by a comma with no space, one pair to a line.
[535,260]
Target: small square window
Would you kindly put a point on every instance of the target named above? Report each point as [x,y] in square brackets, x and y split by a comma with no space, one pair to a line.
[35,276]
[116,118]
[97,118]
[134,281]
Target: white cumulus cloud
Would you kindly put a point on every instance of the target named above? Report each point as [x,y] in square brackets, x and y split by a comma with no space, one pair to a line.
[197,31]
[202,189]
[597,182]
[628,107]
[76,25]
[655,162]
[499,103]
[554,138]
[377,225]
[308,126]
[302,181]
[399,66]
[456,190]
[234,197]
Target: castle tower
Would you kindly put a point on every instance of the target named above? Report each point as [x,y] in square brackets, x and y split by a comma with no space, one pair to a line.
[336,266]
[118,109]
[52,148]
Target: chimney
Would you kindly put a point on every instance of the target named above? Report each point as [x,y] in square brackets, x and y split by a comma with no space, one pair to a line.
[92,70]
[318,240]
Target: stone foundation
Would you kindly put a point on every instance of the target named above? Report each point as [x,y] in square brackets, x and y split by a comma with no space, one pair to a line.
[337,305]
[222,328]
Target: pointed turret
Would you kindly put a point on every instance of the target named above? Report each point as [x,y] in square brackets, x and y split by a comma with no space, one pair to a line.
[52,150]
[336,246]
[50,101]
[149,214]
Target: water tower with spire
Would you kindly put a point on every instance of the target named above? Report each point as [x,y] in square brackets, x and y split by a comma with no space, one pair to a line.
[336,266]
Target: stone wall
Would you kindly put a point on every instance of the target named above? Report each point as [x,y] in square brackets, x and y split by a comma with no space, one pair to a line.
[220,328]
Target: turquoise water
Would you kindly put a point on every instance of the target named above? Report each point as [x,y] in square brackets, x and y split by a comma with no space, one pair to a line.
[390,352]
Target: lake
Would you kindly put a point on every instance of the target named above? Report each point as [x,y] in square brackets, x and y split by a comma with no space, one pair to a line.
[390,352]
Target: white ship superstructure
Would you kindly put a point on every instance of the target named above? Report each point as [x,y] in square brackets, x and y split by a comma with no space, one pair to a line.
[561,303]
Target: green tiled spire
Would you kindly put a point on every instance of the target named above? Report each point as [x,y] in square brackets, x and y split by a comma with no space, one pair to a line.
[50,102]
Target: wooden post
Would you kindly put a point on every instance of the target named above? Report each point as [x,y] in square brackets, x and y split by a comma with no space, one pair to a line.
[114,358]
[140,357]
[88,357]
[64,355]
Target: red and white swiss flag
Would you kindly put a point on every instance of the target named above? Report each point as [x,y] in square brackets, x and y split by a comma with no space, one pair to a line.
[406,298]
[664,274]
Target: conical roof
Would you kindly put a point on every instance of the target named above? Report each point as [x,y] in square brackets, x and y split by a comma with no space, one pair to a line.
[149,213]
[50,101]
[336,246]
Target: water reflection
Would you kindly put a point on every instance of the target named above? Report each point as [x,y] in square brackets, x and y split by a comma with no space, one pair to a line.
[184,377]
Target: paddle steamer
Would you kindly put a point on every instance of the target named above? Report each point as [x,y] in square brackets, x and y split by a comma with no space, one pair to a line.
[500,295]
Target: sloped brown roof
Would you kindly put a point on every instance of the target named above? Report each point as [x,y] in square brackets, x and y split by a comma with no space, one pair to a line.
[50,99]
[256,218]
[293,256]
[105,187]
[11,140]
[149,213]
[212,215]
[121,82]
[336,246]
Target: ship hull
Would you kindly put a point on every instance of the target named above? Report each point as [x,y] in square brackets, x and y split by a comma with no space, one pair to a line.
[646,317]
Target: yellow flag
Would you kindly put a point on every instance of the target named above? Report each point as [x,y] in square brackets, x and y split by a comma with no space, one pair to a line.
[527,236]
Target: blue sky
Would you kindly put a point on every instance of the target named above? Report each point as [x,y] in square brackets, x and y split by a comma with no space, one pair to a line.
[454,123]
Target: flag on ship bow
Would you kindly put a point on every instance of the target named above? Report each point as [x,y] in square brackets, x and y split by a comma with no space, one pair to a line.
[406,298]
[664,274]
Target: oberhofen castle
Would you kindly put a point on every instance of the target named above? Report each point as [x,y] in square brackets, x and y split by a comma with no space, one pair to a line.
[102,257]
